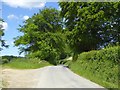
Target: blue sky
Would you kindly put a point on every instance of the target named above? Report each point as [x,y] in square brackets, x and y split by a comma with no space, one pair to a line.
[14,13]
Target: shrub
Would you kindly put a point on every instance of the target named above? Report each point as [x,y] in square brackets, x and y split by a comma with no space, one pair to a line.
[3,61]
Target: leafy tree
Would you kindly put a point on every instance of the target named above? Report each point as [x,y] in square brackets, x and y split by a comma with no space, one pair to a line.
[2,42]
[42,36]
[90,25]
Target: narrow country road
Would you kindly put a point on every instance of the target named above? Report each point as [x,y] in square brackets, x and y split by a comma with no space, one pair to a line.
[47,77]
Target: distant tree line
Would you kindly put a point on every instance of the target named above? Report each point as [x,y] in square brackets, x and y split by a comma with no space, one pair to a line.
[6,59]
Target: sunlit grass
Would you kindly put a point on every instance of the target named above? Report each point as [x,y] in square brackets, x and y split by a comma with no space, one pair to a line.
[26,64]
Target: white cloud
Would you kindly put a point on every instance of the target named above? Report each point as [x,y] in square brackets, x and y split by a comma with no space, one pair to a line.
[5,25]
[25,17]
[21,17]
[12,16]
[59,8]
[12,43]
[25,3]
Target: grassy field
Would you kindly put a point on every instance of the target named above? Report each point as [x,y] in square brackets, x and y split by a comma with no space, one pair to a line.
[24,63]
[99,66]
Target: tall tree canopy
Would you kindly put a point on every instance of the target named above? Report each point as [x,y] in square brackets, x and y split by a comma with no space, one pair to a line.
[42,35]
[90,25]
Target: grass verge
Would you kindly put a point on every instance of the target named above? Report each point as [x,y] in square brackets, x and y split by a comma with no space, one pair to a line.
[25,63]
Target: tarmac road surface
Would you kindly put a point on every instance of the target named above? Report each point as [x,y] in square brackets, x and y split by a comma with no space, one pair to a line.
[47,77]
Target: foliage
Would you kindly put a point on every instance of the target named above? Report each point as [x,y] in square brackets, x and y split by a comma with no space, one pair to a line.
[50,48]
[26,63]
[90,25]
[42,36]
[2,42]
[99,66]
[1,28]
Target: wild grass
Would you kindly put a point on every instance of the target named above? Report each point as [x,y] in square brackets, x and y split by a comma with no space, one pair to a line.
[26,63]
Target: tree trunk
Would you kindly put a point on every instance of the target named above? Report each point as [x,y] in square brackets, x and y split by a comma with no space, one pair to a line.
[75,57]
